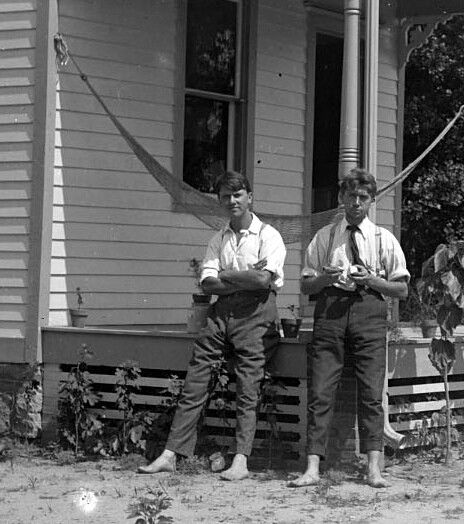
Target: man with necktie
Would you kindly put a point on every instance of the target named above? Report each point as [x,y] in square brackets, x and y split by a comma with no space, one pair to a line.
[350,267]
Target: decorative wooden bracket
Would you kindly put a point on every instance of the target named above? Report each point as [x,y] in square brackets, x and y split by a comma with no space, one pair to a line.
[415,31]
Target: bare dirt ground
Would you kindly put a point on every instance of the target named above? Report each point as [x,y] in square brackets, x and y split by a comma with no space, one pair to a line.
[37,489]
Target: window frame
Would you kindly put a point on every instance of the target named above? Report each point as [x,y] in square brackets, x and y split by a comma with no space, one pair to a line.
[241,139]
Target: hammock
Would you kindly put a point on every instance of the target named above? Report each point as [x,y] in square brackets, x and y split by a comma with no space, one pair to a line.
[293,228]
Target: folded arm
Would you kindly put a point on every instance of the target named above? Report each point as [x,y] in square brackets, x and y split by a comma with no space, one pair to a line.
[230,281]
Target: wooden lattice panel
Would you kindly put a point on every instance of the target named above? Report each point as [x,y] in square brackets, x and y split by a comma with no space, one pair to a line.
[152,395]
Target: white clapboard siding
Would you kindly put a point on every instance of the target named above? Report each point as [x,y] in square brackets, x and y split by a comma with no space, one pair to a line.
[387,146]
[17,60]
[115,234]
[280,123]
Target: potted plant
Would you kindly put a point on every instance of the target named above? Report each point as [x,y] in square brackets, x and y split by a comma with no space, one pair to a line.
[421,308]
[199,297]
[78,315]
[200,301]
[291,326]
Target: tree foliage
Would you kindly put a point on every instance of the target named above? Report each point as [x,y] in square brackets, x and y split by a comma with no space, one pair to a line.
[433,195]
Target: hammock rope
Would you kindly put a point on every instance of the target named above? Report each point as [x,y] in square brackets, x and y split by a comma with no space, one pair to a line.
[293,228]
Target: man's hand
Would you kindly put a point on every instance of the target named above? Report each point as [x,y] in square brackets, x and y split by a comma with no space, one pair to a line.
[330,275]
[261,264]
[360,275]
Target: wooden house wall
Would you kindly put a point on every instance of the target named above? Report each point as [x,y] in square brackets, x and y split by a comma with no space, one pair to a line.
[17,64]
[115,234]
[388,113]
[279,170]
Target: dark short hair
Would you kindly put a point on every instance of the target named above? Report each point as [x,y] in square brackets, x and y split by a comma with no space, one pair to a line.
[234,181]
[356,178]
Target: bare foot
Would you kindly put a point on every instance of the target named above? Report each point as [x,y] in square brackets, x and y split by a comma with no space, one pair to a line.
[307,479]
[238,470]
[377,481]
[165,462]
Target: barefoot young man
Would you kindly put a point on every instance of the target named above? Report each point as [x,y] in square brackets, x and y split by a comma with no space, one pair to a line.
[243,266]
[350,266]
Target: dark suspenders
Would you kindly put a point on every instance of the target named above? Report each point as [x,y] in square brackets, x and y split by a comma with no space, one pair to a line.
[378,246]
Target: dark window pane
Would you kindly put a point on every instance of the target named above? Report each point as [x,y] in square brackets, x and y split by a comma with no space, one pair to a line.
[328,83]
[205,142]
[211,40]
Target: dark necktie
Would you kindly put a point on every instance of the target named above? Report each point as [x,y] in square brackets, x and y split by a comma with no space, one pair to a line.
[354,246]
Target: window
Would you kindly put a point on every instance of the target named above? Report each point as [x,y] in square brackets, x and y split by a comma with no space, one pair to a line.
[214,108]
[327,103]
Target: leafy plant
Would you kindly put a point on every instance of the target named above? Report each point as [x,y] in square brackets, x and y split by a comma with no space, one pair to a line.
[127,376]
[443,280]
[195,267]
[294,310]
[420,306]
[268,402]
[22,400]
[434,193]
[148,508]
[78,425]
[217,391]
[80,298]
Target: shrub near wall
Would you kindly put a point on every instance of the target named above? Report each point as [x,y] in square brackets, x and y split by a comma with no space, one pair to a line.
[20,400]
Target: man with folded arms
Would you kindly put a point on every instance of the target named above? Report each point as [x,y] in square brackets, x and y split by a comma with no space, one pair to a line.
[243,266]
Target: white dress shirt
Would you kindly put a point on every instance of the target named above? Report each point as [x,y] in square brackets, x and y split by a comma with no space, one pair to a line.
[256,243]
[391,266]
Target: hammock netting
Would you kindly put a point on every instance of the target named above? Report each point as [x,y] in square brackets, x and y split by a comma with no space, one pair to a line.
[293,228]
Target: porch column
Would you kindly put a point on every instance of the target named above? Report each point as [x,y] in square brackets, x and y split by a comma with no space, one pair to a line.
[371,92]
[349,132]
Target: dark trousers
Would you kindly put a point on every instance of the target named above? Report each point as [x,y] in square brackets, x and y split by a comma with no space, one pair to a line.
[244,326]
[355,322]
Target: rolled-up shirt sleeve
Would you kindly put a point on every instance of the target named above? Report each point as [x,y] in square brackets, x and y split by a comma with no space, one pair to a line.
[314,256]
[211,262]
[274,252]
[394,260]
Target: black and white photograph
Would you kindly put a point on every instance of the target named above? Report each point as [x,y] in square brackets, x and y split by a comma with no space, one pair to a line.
[231,261]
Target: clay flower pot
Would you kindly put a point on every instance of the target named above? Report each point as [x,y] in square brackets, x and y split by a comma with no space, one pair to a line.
[201,298]
[429,328]
[291,327]
[78,317]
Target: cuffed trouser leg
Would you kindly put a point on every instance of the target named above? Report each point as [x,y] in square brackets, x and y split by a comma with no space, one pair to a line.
[254,336]
[208,349]
[327,360]
[367,337]
[246,325]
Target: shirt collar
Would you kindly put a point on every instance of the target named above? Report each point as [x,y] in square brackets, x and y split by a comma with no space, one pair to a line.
[254,228]
[365,226]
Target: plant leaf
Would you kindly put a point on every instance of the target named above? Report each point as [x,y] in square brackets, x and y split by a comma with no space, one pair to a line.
[442,355]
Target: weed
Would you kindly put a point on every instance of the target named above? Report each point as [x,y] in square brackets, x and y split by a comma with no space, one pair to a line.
[78,426]
[32,482]
[128,435]
[148,508]
[268,402]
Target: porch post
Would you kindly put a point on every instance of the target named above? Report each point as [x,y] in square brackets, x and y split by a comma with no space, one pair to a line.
[349,132]
[371,91]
